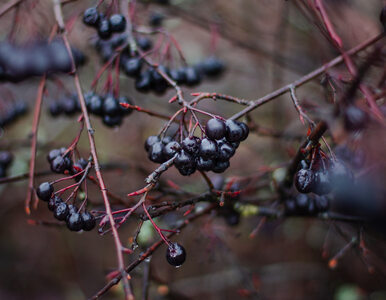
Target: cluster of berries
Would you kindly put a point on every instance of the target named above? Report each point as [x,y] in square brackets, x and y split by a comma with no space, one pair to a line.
[105,26]
[67,105]
[211,153]
[108,107]
[69,213]
[20,62]
[61,163]
[305,205]
[12,111]
[175,254]
[320,177]
[5,160]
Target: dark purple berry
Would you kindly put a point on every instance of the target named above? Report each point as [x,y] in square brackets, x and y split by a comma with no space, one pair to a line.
[192,76]
[212,66]
[225,151]
[58,165]
[143,83]
[61,211]
[53,154]
[155,153]
[167,139]
[322,184]
[215,129]
[95,105]
[6,158]
[111,106]
[171,149]
[354,118]
[304,180]
[88,221]
[204,164]
[178,75]
[185,163]
[104,29]
[302,202]
[44,191]
[234,131]
[117,23]
[155,19]
[322,203]
[175,254]
[191,144]
[112,121]
[290,207]
[208,149]
[245,130]
[144,43]
[53,202]
[131,66]
[91,16]
[55,108]
[220,166]
[74,222]
[150,141]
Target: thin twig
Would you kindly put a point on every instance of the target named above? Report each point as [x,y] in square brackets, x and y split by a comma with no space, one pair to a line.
[306,78]
[118,245]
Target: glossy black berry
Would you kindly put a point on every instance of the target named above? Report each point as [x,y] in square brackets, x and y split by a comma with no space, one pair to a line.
[6,158]
[204,164]
[111,106]
[178,75]
[53,202]
[156,19]
[354,118]
[159,83]
[61,211]
[104,29]
[175,254]
[290,207]
[58,165]
[225,151]
[53,154]
[322,203]
[74,222]
[150,141]
[144,43]
[112,121]
[171,149]
[185,163]
[95,105]
[69,106]
[91,16]
[245,130]
[215,129]
[167,139]
[302,202]
[192,76]
[212,66]
[220,166]
[44,191]
[55,108]
[208,149]
[191,144]
[88,221]
[155,153]
[304,180]
[322,184]
[143,83]
[117,23]
[234,131]
[131,66]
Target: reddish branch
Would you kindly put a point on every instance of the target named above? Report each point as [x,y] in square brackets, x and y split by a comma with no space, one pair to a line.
[306,78]
[34,134]
[150,251]
[59,18]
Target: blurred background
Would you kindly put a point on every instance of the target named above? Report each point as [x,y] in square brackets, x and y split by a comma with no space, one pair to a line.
[265,45]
